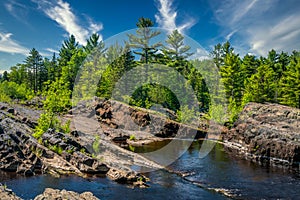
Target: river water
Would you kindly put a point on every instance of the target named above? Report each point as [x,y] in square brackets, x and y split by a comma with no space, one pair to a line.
[217,171]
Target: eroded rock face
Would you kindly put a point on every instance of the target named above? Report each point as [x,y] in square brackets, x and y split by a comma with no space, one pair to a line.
[117,115]
[15,152]
[56,153]
[267,133]
[73,152]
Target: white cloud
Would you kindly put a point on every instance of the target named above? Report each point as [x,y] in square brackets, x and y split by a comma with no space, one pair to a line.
[259,26]
[52,50]
[17,10]
[166,18]
[61,12]
[200,54]
[8,45]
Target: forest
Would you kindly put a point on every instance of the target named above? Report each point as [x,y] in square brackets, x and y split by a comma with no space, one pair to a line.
[274,78]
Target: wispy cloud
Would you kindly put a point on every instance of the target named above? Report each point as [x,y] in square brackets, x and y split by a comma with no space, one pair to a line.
[18,10]
[258,25]
[166,18]
[8,45]
[200,54]
[62,13]
[52,50]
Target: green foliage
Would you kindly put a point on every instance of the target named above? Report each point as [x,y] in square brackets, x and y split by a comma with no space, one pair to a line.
[57,149]
[47,120]
[217,113]
[261,86]
[132,137]
[82,150]
[142,40]
[187,115]
[12,90]
[96,144]
[176,50]
[131,148]
[57,97]
[66,127]
[290,83]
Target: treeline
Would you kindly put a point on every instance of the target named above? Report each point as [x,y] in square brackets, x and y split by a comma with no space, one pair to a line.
[275,78]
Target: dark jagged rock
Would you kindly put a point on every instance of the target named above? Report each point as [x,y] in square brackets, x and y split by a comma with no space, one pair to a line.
[19,114]
[50,194]
[73,152]
[15,155]
[268,134]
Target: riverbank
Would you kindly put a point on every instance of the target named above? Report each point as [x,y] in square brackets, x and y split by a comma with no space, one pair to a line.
[264,133]
[268,134]
[48,194]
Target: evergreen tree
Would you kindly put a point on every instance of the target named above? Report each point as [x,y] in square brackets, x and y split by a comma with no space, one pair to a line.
[176,48]
[249,66]
[34,64]
[290,83]
[68,49]
[232,78]
[142,40]
[93,44]
[5,76]
[261,86]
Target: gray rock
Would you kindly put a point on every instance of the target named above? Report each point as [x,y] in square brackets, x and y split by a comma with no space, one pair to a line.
[267,134]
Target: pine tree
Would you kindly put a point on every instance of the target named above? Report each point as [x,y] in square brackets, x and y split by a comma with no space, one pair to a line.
[34,64]
[176,49]
[232,78]
[249,66]
[261,86]
[142,39]
[290,83]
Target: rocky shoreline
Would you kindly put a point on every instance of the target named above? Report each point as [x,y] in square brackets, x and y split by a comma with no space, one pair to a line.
[48,194]
[268,134]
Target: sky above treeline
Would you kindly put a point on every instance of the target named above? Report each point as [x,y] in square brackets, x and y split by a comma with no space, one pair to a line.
[251,26]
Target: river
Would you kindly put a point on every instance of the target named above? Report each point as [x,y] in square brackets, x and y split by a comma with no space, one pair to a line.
[217,171]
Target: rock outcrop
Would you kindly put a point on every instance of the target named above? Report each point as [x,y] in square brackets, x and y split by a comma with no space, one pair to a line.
[7,194]
[16,144]
[55,152]
[268,134]
[58,153]
[116,115]
[51,194]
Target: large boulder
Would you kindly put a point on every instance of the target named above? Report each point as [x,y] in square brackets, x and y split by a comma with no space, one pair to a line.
[50,194]
[267,133]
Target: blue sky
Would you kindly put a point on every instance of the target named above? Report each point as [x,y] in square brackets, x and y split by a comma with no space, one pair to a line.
[252,26]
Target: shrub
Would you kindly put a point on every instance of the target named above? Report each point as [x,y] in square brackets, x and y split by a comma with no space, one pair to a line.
[132,137]
[96,144]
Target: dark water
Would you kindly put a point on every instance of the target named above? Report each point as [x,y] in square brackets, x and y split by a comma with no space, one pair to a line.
[241,178]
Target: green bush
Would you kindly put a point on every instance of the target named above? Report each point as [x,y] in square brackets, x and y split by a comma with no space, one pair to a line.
[132,137]
[186,115]
[12,90]
[96,144]
[56,149]
[46,121]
